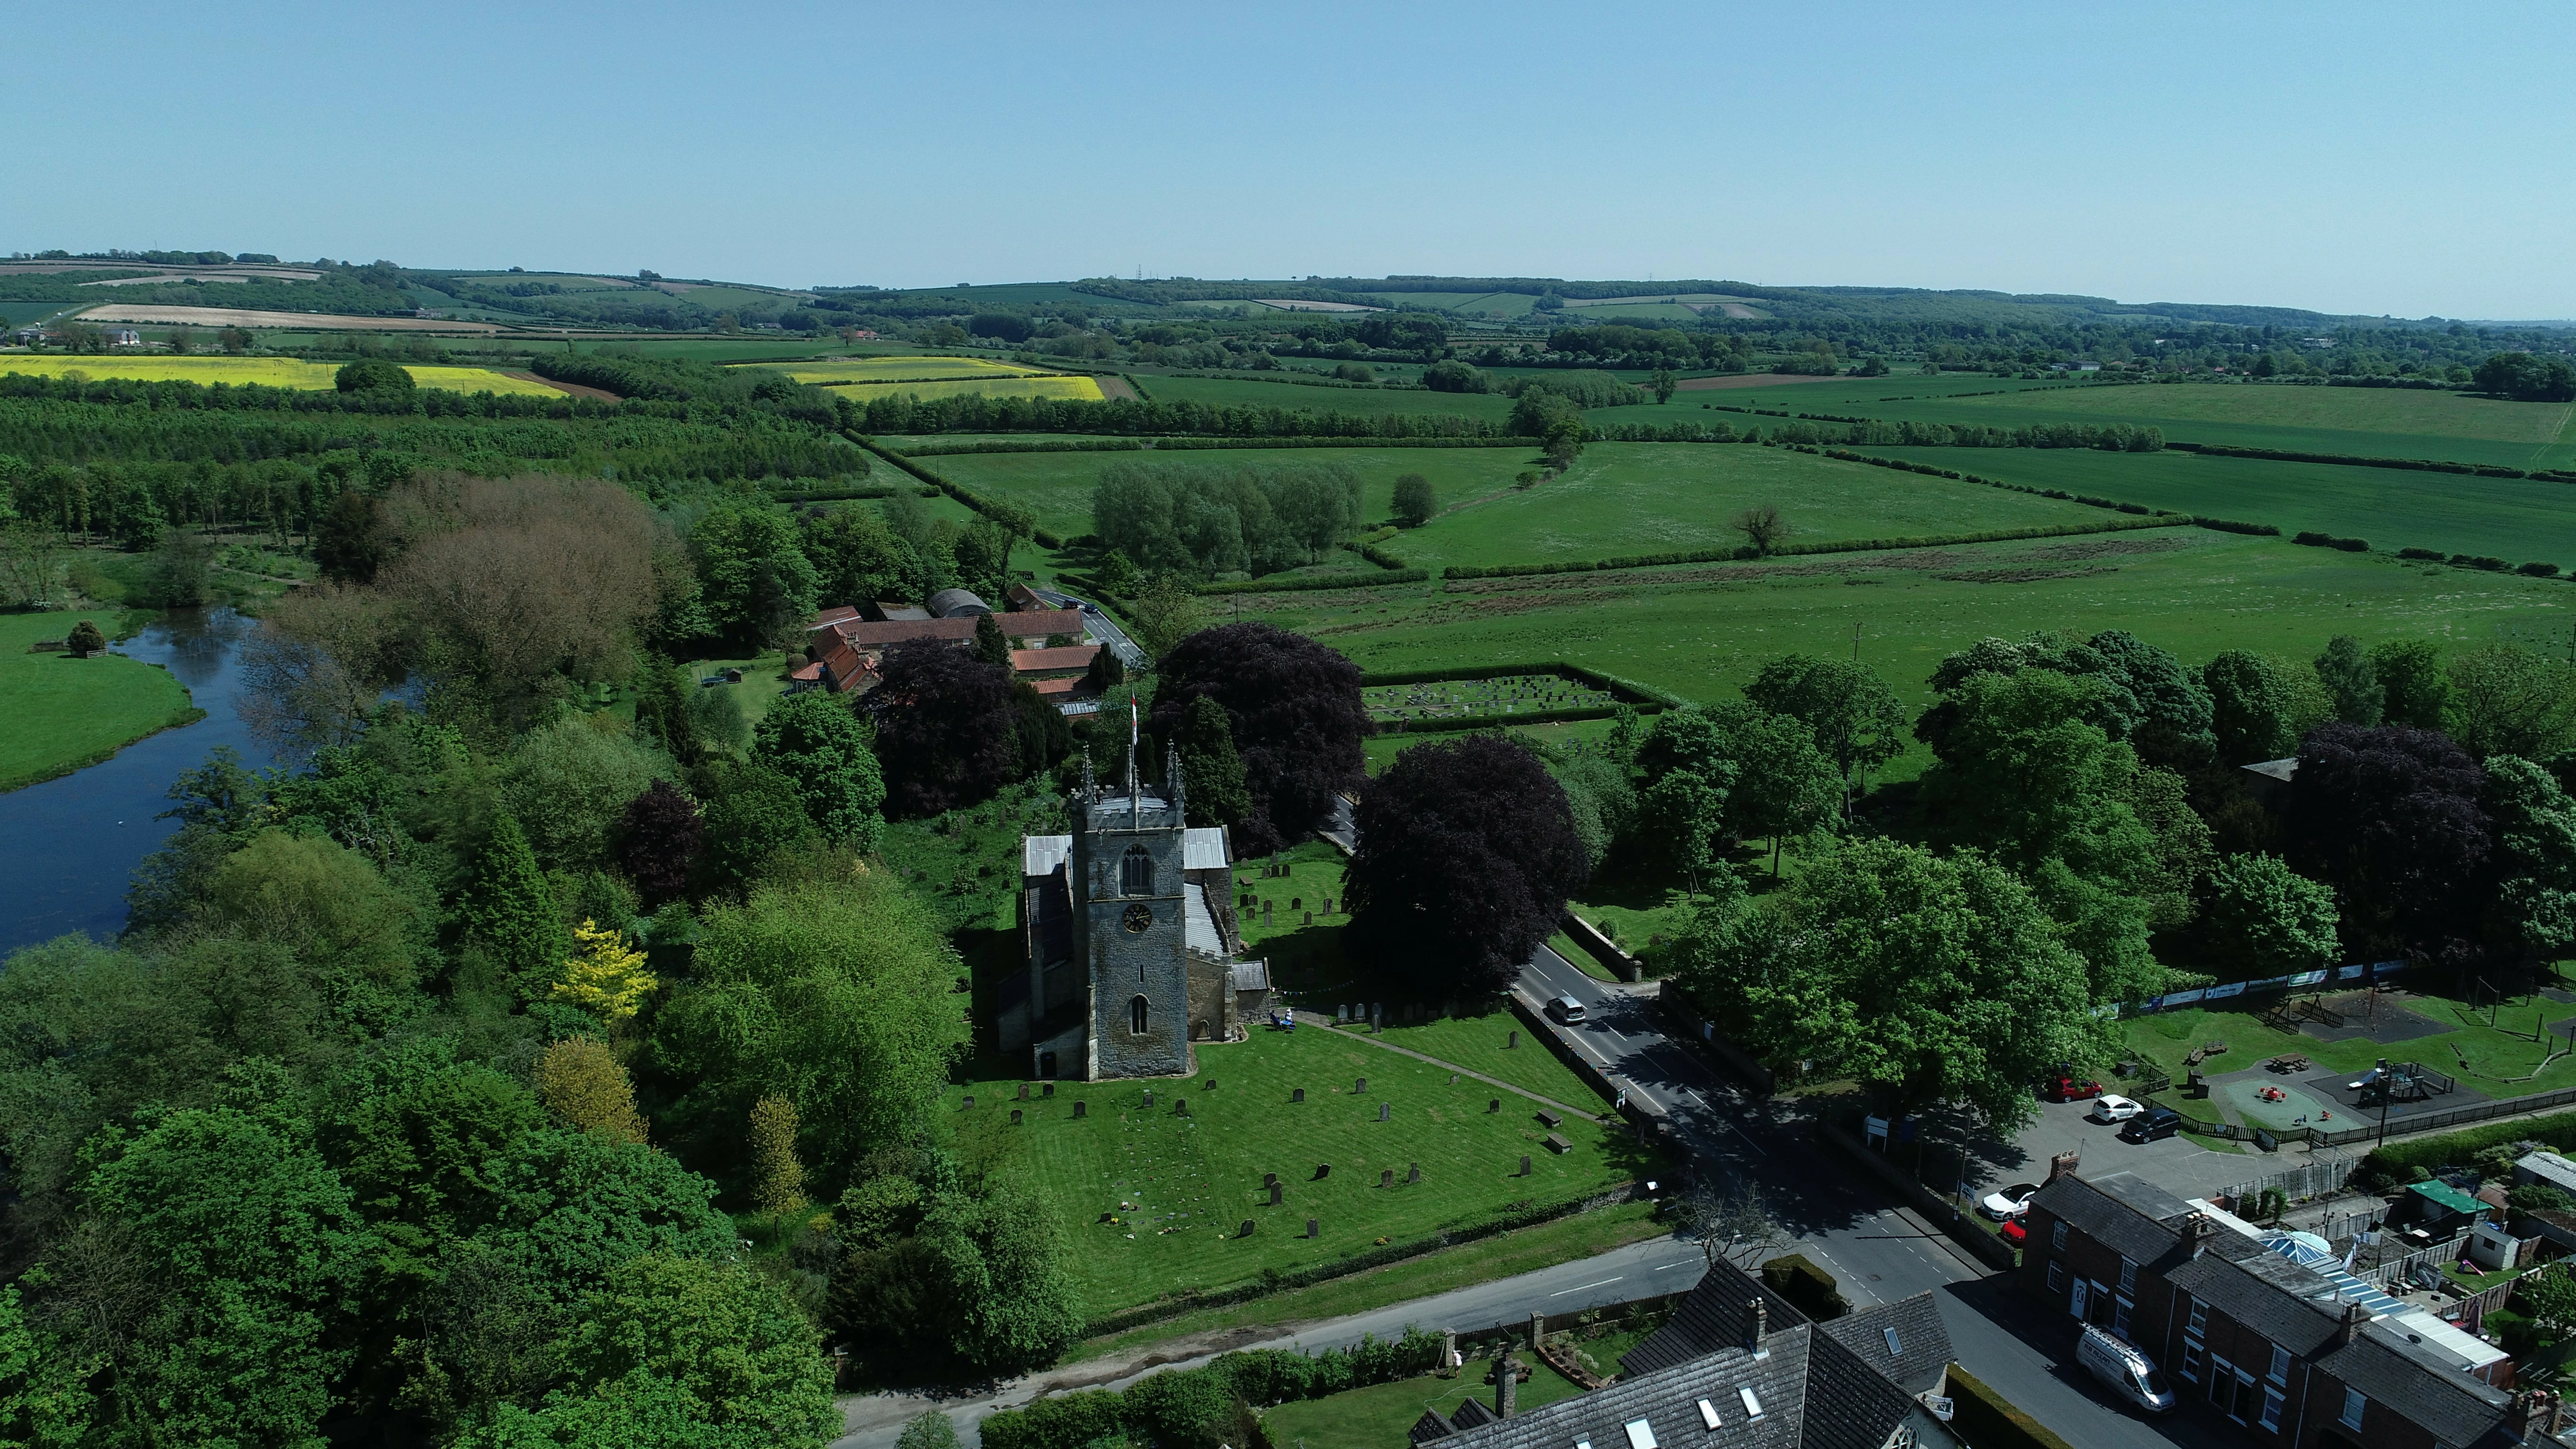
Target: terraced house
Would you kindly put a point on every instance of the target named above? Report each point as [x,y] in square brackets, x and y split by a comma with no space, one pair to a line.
[2263,1329]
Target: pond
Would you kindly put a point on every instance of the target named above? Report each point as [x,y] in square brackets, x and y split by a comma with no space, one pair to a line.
[68,847]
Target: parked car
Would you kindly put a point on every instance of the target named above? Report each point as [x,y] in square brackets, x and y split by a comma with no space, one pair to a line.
[2005,1203]
[2151,1125]
[1565,1009]
[2124,1370]
[2065,1087]
[2015,1232]
[2108,1108]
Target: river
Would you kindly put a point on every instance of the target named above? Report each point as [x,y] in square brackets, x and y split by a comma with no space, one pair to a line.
[68,847]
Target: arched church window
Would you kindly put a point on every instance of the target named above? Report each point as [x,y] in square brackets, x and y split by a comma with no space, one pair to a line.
[1136,872]
[1136,1016]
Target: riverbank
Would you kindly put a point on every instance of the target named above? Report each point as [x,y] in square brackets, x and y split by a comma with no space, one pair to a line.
[66,714]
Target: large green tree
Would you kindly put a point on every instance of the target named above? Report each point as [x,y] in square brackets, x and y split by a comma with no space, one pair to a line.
[1925,978]
[1211,771]
[511,911]
[2508,700]
[2534,911]
[1849,712]
[755,585]
[814,740]
[2251,707]
[2264,919]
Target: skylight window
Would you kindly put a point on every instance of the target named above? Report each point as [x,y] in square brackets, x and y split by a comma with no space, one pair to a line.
[1752,1405]
[1895,1346]
[1641,1435]
[1708,1414]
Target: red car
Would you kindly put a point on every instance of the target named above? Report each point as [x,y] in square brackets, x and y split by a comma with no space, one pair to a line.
[2014,1232]
[2064,1088]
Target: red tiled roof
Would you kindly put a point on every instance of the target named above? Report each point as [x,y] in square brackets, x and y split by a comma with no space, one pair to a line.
[1046,661]
[1032,624]
[810,674]
[835,615]
[1052,688]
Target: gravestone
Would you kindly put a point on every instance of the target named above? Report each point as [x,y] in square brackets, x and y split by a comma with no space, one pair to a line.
[1386,1177]
[1381,1111]
[1513,1042]
[1524,1165]
[1270,1179]
[1275,1191]
[970,1103]
[1298,1095]
[1024,1091]
[1310,918]
[1081,1110]
[1246,1230]
[1453,1079]
[1362,1087]
[1495,1105]
[1310,1229]
[1323,1170]
[1048,1091]
[1181,1107]
[1015,1116]
[1149,1096]
[1211,1084]
[1415,1175]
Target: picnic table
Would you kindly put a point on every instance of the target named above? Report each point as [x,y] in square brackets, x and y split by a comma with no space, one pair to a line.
[2290,1063]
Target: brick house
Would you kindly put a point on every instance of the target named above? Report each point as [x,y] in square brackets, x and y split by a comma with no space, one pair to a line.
[2265,1329]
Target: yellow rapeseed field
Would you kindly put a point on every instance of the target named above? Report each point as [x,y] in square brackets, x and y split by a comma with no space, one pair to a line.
[1079,388]
[890,369]
[266,371]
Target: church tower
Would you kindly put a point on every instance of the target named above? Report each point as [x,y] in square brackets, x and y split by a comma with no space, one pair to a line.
[1130,909]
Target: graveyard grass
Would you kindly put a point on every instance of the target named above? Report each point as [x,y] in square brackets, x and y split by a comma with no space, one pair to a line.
[1182,1186]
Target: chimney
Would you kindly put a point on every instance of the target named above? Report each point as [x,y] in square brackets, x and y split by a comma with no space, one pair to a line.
[2559,1414]
[2354,1316]
[2195,1232]
[2526,1406]
[2063,1165]
[1757,1328]
[1507,1378]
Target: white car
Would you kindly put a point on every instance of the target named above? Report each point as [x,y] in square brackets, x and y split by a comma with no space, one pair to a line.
[2115,1109]
[2008,1202]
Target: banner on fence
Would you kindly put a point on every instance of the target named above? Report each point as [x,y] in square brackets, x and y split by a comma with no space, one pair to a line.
[2375,970]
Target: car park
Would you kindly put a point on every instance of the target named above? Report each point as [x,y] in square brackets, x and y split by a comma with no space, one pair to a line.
[2066,1087]
[2152,1125]
[2123,1369]
[2005,1203]
[2108,1108]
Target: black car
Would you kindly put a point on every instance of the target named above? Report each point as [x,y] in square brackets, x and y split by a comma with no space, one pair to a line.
[2154,1123]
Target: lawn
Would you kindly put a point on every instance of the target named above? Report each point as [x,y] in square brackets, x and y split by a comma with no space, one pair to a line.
[1561,1240]
[1702,631]
[2496,1056]
[2510,518]
[1150,1201]
[1378,1416]
[1442,699]
[1050,385]
[1382,748]
[64,712]
[287,372]
[1486,1044]
[2378,422]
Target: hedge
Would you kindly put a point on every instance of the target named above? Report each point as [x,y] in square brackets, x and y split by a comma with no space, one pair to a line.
[1988,1420]
[1641,695]
[836,495]
[1010,517]
[1796,1278]
[1845,545]
[1317,581]
[2397,1161]
[2328,540]
[2361,460]
[1184,443]
[2230,525]
[1167,1407]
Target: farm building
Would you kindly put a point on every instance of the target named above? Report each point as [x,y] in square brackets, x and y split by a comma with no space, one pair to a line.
[846,645]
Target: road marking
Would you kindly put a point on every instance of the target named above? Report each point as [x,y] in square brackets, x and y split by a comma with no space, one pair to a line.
[1684,1263]
[1561,1292]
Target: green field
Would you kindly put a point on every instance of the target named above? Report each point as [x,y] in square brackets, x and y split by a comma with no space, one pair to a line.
[1057,487]
[1632,498]
[2510,518]
[63,712]
[1360,401]
[2374,422]
[1442,699]
[1701,631]
[1180,1187]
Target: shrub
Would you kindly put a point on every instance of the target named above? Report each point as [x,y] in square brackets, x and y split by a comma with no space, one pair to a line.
[2433,554]
[372,374]
[2398,1162]
[1414,504]
[1985,1417]
[2539,570]
[1811,1288]
[85,639]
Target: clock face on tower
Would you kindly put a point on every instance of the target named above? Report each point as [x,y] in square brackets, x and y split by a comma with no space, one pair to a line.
[1139,919]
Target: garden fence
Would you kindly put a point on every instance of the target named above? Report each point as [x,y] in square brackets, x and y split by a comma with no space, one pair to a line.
[2316,1177]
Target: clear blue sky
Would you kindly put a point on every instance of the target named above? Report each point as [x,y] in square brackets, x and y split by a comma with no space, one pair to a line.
[2407,159]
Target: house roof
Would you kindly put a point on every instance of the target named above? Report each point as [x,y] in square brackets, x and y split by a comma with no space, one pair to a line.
[1064,688]
[2549,1167]
[1713,1318]
[1069,656]
[1032,624]
[1251,976]
[2455,1408]
[1203,848]
[1041,854]
[1666,1402]
[955,603]
[1903,1342]
[2095,1208]
[1199,924]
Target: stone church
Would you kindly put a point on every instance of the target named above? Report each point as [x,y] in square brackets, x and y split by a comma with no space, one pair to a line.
[1131,943]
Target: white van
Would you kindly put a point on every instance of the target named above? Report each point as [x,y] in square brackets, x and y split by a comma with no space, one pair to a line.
[2126,1372]
[1565,1009]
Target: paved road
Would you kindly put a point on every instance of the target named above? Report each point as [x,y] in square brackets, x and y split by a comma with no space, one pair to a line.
[1103,627]
[1842,1220]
